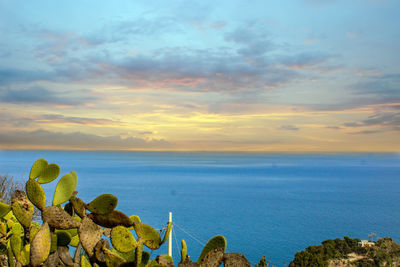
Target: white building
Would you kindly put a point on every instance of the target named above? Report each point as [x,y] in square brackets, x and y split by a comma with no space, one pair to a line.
[366,243]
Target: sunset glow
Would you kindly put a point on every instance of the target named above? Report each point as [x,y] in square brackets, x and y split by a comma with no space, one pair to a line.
[293,76]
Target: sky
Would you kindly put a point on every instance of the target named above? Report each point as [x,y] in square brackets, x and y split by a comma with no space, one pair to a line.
[274,76]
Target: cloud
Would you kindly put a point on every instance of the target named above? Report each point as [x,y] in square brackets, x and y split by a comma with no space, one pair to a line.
[366,132]
[305,60]
[118,31]
[289,128]
[57,118]
[388,120]
[385,86]
[334,127]
[179,68]
[51,140]
[42,95]
[11,75]
[251,41]
[218,25]
[7,119]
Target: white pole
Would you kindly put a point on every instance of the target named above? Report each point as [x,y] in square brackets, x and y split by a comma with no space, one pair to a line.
[170,237]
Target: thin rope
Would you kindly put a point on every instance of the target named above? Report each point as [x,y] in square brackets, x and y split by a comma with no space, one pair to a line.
[176,240]
[191,235]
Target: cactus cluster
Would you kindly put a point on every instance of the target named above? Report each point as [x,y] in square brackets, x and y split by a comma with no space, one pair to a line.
[213,254]
[69,221]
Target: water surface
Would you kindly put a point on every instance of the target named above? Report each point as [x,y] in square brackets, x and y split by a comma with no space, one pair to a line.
[264,204]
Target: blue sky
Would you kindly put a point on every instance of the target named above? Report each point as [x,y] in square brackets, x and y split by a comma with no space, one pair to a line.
[301,75]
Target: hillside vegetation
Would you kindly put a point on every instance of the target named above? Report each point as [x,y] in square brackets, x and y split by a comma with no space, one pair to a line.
[347,252]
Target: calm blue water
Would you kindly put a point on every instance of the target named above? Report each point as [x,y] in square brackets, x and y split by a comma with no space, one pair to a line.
[264,204]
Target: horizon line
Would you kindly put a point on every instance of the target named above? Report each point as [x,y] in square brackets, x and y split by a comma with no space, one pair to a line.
[208,151]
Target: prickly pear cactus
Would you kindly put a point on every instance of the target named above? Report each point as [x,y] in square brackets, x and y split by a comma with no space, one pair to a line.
[30,244]
[122,239]
[4,209]
[103,204]
[22,208]
[167,232]
[151,238]
[113,259]
[40,247]
[33,230]
[35,193]
[16,240]
[111,219]
[218,241]
[213,258]
[183,251]
[89,234]
[65,188]
[78,206]
[58,218]
[44,172]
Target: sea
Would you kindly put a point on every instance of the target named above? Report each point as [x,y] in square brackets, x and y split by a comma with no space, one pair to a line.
[271,205]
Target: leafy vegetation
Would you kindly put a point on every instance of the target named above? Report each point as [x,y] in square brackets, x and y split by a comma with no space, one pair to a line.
[347,252]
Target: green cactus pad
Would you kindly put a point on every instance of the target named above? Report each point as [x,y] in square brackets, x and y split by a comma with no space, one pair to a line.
[25,255]
[53,245]
[84,262]
[103,204]
[37,168]
[128,256]
[71,232]
[63,238]
[111,219]
[135,218]
[113,259]
[3,228]
[49,173]
[139,252]
[75,241]
[9,216]
[35,193]
[65,188]
[4,209]
[24,214]
[183,251]
[151,238]
[79,206]
[89,234]
[22,208]
[16,242]
[122,239]
[10,222]
[166,235]
[58,218]
[218,241]
[40,246]
[10,255]
[33,230]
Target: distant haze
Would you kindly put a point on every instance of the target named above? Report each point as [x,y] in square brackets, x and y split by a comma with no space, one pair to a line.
[295,76]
